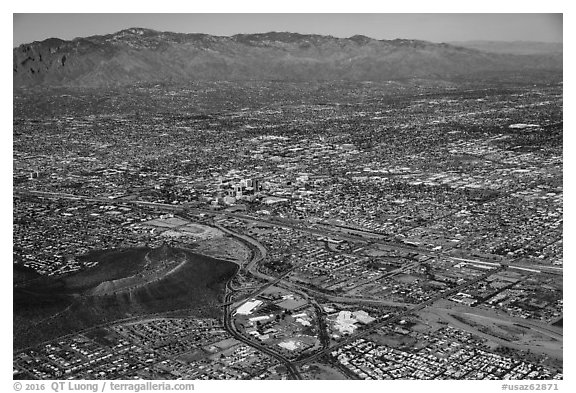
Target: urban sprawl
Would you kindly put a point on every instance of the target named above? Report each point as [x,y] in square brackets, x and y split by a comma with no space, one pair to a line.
[380,230]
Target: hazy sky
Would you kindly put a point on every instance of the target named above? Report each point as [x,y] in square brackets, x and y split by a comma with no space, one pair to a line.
[430,27]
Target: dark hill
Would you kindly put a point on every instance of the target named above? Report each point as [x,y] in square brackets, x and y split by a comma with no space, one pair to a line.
[54,307]
[22,274]
[143,55]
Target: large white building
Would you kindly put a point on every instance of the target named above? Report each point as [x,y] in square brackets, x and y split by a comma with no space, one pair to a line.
[248,307]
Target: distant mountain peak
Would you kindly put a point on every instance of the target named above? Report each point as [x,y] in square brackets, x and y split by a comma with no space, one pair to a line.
[361,39]
[138,31]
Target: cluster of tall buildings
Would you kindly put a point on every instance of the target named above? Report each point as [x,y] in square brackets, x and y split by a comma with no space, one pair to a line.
[231,190]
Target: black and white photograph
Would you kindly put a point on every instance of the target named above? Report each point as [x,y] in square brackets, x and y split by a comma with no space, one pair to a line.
[286,196]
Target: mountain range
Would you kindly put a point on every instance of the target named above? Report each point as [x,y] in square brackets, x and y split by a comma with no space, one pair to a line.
[139,55]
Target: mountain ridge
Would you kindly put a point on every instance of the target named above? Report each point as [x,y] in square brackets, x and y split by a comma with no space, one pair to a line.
[144,55]
[512,47]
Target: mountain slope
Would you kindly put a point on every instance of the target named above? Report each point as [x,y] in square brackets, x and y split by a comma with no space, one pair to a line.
[142,55]
[513,47]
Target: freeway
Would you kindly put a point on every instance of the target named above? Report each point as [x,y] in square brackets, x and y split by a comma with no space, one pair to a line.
[231,328]
[389,244]
[262,252]
[228,304]
[307,291]
[251,268]
[287,224]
